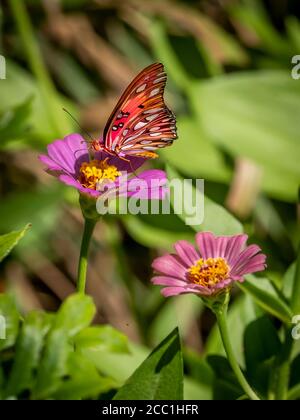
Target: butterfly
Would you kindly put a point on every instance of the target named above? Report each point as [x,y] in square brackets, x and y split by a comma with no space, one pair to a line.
[141,122]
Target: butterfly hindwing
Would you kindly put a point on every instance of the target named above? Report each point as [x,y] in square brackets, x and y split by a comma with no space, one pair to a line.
[141,122]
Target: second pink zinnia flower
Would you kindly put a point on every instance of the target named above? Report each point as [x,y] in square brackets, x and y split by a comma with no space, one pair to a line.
[218,262]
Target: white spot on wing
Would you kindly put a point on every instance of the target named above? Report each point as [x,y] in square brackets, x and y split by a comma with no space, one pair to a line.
[151,117]
[141,88]
[152,111]
[139,125]
[146,142]
[155,134]
[150,148]
[160,79]
[154,92]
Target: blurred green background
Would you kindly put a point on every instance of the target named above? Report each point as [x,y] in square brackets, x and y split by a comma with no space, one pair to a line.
[229,67]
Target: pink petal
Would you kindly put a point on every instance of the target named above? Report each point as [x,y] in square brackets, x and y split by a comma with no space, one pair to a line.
[245,256]
[173,291]
[221,245]
[168,281]
[69,180]
[51,165]
[67,153]
[149,185]
[207,244]
[186,252]
[234,247]
[169,265]
[249,268]
[222,284]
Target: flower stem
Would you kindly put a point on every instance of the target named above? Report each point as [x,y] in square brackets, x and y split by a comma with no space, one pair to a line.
[83,258]
[222,323]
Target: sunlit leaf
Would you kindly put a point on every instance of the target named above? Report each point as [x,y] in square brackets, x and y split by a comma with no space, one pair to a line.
[213,217]
[28,351]
[263,294]
[159,377]
[102,338]
[9,321]
[10,240]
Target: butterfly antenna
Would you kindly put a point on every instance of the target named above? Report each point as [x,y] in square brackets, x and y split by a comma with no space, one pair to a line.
[74,119]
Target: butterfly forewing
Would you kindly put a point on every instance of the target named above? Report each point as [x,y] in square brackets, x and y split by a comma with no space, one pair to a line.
[141,122]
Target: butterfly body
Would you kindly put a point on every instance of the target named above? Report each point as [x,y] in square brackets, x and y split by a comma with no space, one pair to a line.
[140,123]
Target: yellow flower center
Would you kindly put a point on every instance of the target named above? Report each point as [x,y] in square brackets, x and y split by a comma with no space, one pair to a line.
[208,272]
[97,171]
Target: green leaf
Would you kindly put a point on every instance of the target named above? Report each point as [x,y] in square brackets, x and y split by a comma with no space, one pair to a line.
[2,381]
[40,207]
[199,370]
[181,311]
[293,30]
[14,122]
[254,115]
[157,230]
[160,376]
[288,281]
[254,17]
[295,299]
[295,372]
[225,386]
[120,366]
[264,295]
[195,390]
[76,313]
[9,319]
[53,365]
[294,393]
[194,155]
[261,343]
[102,338]
[10,240]
[83,381]
[216,218]
[28,350]
[18,87]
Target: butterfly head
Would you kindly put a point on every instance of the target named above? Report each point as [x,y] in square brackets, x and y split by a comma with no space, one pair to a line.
[97,146]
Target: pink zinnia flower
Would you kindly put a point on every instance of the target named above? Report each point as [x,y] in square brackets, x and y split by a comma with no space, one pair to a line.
[218,262]
[68,159]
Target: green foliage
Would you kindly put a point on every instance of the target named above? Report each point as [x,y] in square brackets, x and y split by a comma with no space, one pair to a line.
[10,240]
[264,295]
[160,377]
[14,122]
[254,115]
[234,99]
[261,344]
[47,358]
[11,316]
[214,217]
[101,338]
